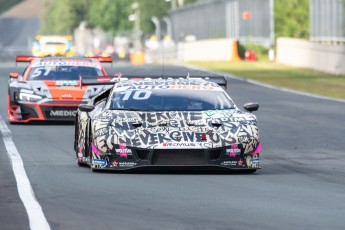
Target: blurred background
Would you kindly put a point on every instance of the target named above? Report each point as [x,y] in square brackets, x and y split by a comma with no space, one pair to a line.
[298,33]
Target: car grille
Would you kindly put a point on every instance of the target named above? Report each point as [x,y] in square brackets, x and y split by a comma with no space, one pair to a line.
[179,157]
[59,112]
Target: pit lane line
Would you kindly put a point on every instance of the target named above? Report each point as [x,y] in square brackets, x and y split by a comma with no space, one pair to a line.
[36,216]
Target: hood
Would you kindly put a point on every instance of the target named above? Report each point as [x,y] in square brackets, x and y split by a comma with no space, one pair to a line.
[63,90]
[182,130]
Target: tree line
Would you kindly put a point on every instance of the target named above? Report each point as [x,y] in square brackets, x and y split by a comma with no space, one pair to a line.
[63,16]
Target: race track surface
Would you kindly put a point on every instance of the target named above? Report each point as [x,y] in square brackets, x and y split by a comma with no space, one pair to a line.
[300,186]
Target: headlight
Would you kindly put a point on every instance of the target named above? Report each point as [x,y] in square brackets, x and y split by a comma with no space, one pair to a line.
[29,97]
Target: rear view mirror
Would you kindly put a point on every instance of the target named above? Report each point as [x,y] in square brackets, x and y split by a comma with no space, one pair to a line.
[250,107]
[13,75]
[86,107]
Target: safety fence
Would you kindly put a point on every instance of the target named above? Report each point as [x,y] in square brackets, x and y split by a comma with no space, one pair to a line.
[327,20]
[246,20]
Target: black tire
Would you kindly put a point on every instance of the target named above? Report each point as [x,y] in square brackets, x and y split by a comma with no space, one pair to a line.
[88,139]
[76,137]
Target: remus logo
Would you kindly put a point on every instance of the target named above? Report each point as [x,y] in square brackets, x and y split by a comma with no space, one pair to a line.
[62,113]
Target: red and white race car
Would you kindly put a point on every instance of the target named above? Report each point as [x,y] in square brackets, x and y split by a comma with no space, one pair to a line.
[50,88]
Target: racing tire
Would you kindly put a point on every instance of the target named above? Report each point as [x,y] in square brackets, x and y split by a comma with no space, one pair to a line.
[88,139]
[80,164]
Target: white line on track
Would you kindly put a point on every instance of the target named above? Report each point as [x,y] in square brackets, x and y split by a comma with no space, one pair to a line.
[267,85]
[36,216]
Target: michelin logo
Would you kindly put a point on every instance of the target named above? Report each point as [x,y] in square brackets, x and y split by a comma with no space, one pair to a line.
[62,113]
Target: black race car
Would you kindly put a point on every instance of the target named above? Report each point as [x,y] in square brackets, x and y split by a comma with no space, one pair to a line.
[165,122]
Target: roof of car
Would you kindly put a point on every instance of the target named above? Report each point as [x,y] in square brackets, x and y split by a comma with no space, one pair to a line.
[168,83]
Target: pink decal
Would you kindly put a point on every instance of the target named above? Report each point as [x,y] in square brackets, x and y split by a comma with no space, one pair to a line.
[233,148]
[95,150]
[123,150]
[258,149]
[115,164]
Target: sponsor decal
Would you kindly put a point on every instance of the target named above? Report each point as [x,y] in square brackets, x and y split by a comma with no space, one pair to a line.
[195,87]
[123,151]
[62,113]
[127,164]
[66,95]
[100,162]
[233,151]
[66,83]
[174,144]
[115,164]
[255,161]
[229,163]
[58,62]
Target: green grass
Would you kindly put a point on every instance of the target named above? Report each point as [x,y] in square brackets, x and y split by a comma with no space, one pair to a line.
[283,76]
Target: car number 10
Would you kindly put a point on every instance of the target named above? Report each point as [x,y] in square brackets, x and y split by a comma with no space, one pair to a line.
[137,95]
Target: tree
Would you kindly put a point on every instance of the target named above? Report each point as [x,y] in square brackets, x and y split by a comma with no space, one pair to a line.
[110,15]
[158,8]
[63,16]
[291,18]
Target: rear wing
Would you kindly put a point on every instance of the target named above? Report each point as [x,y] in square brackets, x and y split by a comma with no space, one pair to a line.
[107,59]
[110,80]
[25,58]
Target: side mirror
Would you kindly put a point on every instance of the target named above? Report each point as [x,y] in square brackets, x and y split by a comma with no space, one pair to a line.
[250,107]
[13,75]
[86,107]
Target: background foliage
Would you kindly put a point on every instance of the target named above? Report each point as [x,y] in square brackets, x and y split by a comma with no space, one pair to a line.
[62,16]
[291,18]
[7,4]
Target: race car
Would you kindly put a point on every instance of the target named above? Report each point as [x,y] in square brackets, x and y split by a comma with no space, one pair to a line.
[45,46]
[50,89]
[152,122]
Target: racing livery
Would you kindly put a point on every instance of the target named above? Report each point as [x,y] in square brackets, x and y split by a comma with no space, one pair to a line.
[50,89]
[153,122]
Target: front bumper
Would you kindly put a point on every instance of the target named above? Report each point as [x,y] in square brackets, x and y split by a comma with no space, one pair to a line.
[172,158]
[50,111]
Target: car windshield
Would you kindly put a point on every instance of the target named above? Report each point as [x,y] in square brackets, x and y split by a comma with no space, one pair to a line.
[171,100]
[62,72]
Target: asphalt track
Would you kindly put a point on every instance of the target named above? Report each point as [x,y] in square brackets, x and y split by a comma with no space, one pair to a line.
[300,186]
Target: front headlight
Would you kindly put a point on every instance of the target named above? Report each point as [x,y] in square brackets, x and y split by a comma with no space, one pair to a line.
[27,97]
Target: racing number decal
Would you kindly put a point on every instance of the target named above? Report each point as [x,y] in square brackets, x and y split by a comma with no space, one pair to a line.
[138,95]
[38,72]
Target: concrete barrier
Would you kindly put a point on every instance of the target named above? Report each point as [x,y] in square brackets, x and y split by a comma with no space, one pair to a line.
[303,53]
[206,50]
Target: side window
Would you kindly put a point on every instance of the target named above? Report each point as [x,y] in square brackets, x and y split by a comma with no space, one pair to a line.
[102,96]
[26,68]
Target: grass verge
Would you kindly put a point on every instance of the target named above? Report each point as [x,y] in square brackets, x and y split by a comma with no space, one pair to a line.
[283,76]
